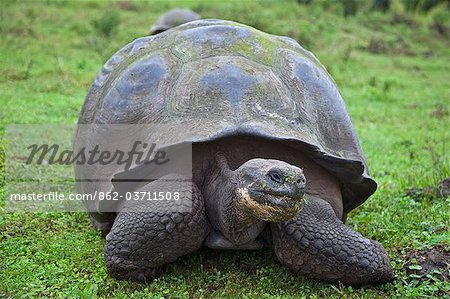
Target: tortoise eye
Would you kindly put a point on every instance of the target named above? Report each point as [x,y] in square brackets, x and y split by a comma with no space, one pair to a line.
[275,176]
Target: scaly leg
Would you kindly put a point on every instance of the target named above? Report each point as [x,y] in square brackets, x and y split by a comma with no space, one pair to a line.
[317,244]
[147,235]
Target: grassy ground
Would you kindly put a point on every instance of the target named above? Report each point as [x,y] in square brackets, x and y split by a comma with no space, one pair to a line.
[392,69]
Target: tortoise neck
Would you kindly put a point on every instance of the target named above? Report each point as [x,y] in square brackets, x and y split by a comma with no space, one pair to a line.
[227,213]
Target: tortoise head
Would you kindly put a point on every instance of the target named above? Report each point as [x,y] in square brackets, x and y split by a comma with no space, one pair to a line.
[269,190]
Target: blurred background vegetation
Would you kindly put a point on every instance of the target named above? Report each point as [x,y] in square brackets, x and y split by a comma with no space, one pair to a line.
[390,60]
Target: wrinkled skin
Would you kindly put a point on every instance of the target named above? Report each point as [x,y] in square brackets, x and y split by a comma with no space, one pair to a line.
[311,240]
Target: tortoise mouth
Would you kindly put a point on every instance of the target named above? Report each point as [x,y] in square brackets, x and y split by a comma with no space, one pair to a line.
[272,206]
[279,199]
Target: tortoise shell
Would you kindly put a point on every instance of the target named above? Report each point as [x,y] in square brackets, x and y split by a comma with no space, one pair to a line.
[219,78]
[172,18]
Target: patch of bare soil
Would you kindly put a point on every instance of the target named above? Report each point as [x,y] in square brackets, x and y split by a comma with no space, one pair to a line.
[440,111]
[442,190]
[434,261]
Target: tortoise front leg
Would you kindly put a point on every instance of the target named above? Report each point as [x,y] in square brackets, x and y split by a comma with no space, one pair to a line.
[148,234]
[317,244]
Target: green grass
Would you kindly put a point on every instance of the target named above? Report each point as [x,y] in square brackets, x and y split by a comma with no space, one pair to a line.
[392,69]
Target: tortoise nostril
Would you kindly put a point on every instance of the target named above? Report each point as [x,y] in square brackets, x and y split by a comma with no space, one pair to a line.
[276,177]
[301,181]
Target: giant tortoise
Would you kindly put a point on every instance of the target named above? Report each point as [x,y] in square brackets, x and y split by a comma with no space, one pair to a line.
[172,18]
[276,161]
